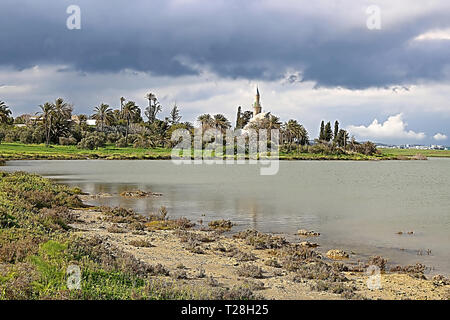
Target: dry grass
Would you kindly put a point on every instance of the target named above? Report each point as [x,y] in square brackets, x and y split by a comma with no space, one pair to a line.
[260,240]
[250,271]
[116,229]
[378,261]
[416,271]
[140,243]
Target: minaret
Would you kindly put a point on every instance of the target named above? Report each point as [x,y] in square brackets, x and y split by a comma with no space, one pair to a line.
[257,104]
[238,118]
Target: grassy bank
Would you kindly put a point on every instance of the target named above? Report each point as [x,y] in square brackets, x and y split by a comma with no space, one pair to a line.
[413,152]
[37,246]
[18,151]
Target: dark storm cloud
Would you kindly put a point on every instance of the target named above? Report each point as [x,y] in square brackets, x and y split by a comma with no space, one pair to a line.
[236,39]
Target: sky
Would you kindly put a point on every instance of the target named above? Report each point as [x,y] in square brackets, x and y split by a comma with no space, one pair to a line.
[381,68]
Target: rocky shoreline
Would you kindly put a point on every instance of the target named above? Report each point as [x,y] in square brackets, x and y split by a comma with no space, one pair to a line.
[206,256]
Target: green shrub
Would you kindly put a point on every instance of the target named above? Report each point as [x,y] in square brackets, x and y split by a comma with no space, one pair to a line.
[6,220]
[367,148]
[142,143]
[121,143]
[113,137]
[92,140]
[67,141]
[38,134]
[327,149]
[12,136]
[26,136]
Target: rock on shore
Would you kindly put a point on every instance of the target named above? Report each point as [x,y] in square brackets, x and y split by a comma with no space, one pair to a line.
[307,233]
[337,254]
[138,194]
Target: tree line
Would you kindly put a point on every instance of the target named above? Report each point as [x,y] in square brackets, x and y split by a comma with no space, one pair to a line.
[127,125]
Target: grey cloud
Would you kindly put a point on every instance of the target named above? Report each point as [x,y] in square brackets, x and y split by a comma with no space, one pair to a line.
[234,39]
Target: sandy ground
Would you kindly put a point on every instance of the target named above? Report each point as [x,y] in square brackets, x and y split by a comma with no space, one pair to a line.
[168,250]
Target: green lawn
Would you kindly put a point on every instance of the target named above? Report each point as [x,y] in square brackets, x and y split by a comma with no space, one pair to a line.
[19,151]
[412,152]
[40,151]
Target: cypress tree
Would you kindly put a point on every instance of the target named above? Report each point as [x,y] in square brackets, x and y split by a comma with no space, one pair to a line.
[328,134]
[336,129]
[322,131]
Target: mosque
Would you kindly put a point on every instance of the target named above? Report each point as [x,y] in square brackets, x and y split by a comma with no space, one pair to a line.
[256,116]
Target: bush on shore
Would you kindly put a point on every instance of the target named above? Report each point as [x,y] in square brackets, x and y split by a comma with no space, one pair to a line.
[92,140]
[121,143]
[67,141]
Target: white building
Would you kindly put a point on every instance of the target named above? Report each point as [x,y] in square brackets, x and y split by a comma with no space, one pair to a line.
[91,122]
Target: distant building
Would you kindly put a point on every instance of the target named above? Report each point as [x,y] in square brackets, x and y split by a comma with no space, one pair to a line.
[27,119]
[258,115]
[91,122]
[257,105]
[244,120]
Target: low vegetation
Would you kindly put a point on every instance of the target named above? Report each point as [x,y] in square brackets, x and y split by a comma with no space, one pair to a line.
[250,271]
[416,271]
[260,240]
[407,153]
[37,247]
[221,225]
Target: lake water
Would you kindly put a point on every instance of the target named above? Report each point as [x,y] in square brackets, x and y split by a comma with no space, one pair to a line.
[356,206]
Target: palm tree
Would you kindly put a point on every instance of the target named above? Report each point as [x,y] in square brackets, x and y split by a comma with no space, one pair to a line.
[153,107]
[295,132]
[122,100]
[129,111]
[302,136]
[61,118]
[151,98]
[5,112]
[62,108]
[221,122]
[273,122]
[205,120]
[292,130]
[269,123]
[103,114]
[46,114]
[82,120]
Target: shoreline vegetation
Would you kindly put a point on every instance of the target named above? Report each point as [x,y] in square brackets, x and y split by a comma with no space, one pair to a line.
[55,132]
[46,228]
[20,151]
